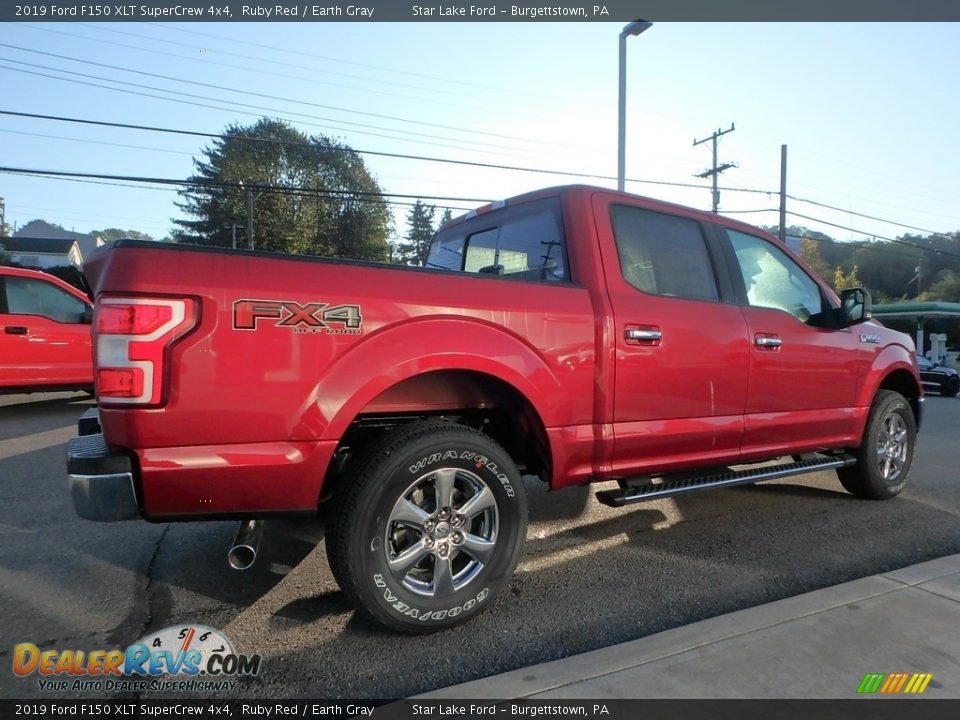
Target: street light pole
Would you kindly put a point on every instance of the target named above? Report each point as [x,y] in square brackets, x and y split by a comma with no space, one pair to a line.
[634,28]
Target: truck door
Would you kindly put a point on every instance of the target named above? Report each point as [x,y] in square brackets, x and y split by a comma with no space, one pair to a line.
[680,340]
[44,339]
[804,374]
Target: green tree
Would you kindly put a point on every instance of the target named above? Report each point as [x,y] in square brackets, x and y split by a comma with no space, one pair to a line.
[946,289]
[446,217]
[309,195]
[887,269]
[810,252]
[412,250]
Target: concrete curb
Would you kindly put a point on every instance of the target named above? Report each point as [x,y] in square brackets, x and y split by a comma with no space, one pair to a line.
[816,645]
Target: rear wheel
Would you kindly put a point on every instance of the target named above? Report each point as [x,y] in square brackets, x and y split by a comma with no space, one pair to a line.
[950,387]
[430,528]
[886,453]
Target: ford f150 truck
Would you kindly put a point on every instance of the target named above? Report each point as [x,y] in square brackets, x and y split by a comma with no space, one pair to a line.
[44,333]
[574,334]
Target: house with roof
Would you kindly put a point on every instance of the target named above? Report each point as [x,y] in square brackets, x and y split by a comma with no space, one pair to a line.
[42,245]
[42,253]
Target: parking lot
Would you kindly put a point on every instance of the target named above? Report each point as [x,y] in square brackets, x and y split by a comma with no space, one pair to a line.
[591,576]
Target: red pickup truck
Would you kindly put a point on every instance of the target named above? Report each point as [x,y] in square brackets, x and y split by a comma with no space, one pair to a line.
[44,333]
[574,334]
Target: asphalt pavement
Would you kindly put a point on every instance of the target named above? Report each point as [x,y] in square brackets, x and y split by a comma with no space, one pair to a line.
[591,579]
[889,635]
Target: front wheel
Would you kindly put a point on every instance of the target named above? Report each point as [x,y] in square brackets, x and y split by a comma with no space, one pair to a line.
[430,528]
[950,387]
[886,453]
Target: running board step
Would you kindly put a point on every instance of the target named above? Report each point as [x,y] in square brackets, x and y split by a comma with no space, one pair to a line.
[687,484]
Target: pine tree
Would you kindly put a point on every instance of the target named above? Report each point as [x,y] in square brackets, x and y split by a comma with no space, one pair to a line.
[412,250]
[445,218]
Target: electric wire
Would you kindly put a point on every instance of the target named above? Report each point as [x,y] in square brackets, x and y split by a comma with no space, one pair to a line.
[262,109]
[376,153]
[267,96]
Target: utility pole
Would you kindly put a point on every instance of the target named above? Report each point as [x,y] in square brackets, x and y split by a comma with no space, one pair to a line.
[233,234]
[715,170]
[3,215]
[783,194]
[248,196]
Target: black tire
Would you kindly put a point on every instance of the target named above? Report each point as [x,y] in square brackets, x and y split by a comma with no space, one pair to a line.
[950,388]
[886,453]
[388,509]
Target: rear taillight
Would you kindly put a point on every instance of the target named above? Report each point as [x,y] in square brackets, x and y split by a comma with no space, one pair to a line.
[133,337]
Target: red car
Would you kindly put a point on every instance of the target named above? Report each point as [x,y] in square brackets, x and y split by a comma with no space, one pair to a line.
[44,333]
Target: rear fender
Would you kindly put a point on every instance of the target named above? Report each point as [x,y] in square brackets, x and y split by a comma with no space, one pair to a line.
[405,350]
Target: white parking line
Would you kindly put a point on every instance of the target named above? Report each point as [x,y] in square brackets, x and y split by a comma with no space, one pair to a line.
[36,441]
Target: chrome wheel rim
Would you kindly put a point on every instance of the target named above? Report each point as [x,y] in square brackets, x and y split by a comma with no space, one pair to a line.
[892,447]
[441,532]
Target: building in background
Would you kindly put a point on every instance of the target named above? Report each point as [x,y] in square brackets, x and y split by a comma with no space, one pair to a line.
[39,244]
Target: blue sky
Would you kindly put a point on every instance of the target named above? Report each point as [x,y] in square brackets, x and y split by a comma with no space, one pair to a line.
[869,111]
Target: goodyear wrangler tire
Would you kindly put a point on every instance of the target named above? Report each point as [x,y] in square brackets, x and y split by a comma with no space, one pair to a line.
[886,453]
[430,527]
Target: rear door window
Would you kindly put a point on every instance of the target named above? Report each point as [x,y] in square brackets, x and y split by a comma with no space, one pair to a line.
[524,242]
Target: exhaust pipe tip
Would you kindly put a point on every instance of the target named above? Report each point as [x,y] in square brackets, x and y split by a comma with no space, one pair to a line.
[242,557]
[243,551]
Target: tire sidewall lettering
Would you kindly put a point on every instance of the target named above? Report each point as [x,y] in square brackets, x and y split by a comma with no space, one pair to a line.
[480,462]
[422,615]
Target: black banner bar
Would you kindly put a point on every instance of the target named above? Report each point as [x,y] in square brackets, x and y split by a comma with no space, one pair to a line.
[477,11]
[598,709]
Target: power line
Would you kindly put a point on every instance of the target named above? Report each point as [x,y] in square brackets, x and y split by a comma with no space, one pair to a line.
[868,217]
[95,142]
[218,107]
[376,153]
[236,103]
[259,187]
[303,53]
[214,86]
[171,186]
[879,237]
[260,70]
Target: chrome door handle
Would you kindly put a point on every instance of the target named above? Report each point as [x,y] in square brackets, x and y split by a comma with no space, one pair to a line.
[639,335]
[767,341]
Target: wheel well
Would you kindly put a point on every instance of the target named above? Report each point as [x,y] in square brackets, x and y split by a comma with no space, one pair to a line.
[465,397]
[903,382]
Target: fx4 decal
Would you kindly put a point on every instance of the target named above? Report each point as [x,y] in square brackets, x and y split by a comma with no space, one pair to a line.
[314,317]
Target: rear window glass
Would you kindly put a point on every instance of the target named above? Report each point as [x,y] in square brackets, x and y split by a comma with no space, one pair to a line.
[523,242]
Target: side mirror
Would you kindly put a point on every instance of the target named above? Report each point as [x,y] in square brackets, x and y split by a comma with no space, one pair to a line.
[856,306]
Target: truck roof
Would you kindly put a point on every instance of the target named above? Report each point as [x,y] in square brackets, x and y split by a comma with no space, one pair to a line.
[564,190]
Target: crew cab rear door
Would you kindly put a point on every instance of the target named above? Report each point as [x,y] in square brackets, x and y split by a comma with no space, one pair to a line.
[680,339]
[804,373]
